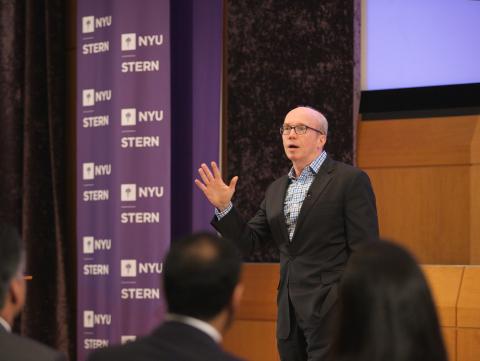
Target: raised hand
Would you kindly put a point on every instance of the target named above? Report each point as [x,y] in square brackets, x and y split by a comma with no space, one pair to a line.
[214,188]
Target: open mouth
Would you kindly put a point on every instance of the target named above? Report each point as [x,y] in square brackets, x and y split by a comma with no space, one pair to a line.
[293,146]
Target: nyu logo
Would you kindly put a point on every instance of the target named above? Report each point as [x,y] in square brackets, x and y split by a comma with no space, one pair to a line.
[140,293]
[90,96]
[90,170]
[96,121]
[129,116]
[130,41]
[94,343]
[90,319]
[90,23]
[129,192]
[140,217]
[90,245]
[96,195]
[140,142]
[96,269]
[130,268]
[95,48]
[140,66]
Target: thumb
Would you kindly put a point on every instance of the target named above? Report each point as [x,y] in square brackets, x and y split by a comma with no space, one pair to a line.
[233,183]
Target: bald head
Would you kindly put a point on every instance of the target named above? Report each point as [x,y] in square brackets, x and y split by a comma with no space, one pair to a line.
[306,142]
[318,120]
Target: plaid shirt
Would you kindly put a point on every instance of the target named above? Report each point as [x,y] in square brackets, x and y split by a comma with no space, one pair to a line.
[296,193]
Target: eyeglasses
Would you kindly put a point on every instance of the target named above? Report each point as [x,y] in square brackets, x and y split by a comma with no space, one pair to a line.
[299,129]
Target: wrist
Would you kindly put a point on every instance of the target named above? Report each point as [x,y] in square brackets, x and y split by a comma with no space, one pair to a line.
[223,206]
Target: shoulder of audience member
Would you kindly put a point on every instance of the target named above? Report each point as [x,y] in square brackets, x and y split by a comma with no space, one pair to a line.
[38,351]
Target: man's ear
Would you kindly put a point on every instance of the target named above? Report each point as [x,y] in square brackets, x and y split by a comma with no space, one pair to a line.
[237,296]
[322,140]
[17,295]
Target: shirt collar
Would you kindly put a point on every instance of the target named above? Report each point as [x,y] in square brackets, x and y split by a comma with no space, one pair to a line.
[5,325]
[314,166]
[196,323]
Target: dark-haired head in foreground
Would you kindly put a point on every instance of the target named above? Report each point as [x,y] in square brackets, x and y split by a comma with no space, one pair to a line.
[386,309]
[201,277]
[201,285]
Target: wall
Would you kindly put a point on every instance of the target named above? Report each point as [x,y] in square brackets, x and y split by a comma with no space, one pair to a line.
[426,176]
[455,289]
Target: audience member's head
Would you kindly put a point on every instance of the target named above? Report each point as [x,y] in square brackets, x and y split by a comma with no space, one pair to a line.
[386,309]
[201,278]
[12,283]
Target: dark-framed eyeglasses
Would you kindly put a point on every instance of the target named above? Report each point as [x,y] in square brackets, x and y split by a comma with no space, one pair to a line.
[299,129]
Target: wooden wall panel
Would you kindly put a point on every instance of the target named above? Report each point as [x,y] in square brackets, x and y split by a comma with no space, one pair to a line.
[468,316]
[468,344]
[468,308]
[475,213]
[445,284]
[252,340]
[260,296]
[426,209]
[475,143]
[252,335]
[455,289]
[426,176]
[450,339]
[418,142]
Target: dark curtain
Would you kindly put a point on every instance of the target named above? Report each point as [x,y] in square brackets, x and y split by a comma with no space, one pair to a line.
[282,54]
[33,161]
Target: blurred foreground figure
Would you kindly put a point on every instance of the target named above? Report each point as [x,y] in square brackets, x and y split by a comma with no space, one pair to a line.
[201,284]
[12,299]
[386,311]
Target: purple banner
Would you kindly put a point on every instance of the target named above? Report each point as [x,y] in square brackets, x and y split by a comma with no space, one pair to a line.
[207,41]
[123,168]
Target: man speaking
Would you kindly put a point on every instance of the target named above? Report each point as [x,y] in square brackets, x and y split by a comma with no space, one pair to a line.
[317,214]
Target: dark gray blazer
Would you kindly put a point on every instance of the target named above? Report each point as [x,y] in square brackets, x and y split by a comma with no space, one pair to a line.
[172,341]
[337,215]
[17,348]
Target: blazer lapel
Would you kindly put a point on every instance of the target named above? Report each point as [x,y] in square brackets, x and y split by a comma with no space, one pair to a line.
[323,177]
[278,197]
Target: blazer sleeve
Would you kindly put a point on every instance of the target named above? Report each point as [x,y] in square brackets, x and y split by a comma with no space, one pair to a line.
[248,236]
[361,222]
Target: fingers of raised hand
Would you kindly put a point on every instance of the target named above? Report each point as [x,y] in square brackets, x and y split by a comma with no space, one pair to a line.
[216,171]
[207,172]
[233,182]
[200,185]
[203,176]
